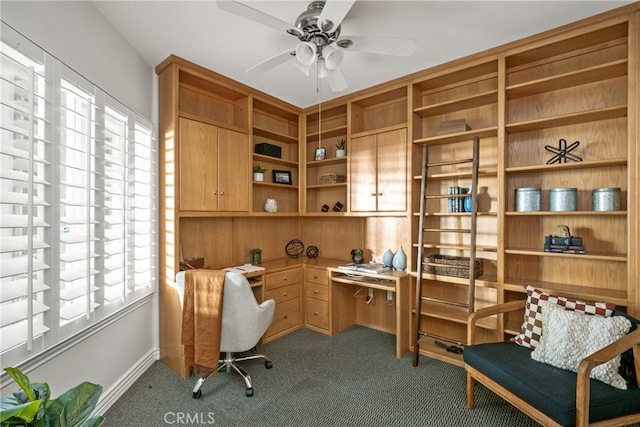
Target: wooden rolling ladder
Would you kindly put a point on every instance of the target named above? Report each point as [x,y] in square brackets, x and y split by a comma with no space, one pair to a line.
[420,262]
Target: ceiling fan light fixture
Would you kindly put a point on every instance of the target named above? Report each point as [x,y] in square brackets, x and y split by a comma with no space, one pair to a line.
[306,69]
[323,71]
[306,53]
[337,81]
[332,57]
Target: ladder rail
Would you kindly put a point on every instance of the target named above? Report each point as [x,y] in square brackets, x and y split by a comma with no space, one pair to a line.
[419,261]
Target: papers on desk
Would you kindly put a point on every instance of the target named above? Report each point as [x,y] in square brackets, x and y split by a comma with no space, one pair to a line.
[375,268]
[244,269]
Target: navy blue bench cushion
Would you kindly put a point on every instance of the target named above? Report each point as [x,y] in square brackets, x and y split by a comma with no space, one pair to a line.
[549,389]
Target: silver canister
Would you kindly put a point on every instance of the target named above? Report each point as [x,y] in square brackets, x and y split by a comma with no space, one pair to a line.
[563,199]
[528,199]
[606,199]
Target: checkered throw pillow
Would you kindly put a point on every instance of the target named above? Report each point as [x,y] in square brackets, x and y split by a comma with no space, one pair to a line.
[531,330]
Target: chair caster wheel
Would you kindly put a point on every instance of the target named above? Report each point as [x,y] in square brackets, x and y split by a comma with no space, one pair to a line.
[268,364]
[249,392]
[197,394]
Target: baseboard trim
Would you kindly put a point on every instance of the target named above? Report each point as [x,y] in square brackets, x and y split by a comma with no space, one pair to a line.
[115,392]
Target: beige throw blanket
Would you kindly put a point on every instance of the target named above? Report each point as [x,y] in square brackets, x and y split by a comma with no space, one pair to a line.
[202,320]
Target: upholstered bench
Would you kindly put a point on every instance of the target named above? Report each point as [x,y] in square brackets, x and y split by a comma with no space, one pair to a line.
[550,395]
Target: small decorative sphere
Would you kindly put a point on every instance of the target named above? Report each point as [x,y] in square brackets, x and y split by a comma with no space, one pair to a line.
[294,248]
[312,252]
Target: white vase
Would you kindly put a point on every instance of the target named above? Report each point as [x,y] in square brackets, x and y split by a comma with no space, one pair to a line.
[399,259]
[341,153]
[258,176]
[271,205]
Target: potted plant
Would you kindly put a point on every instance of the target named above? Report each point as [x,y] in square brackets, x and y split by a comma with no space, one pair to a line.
[357,255]
[258,172]
[32,406]
[341,148]
[256,256]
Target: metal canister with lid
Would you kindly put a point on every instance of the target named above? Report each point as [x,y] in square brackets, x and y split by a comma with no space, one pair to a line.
[606,199]
[563,199]
[528,199]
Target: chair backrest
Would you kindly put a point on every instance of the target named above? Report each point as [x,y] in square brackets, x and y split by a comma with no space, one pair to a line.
[244,321]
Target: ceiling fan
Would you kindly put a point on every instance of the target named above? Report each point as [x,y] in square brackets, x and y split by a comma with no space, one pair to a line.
[320,43]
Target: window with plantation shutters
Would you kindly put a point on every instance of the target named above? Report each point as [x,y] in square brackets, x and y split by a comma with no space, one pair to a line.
[77,203]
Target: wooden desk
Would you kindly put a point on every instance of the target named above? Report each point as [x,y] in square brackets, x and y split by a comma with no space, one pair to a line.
[348,294]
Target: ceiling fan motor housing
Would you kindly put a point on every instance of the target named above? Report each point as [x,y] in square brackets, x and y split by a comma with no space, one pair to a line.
[307,22]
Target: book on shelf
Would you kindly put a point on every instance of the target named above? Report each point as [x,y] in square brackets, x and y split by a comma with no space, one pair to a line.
[372,267]
[565,249]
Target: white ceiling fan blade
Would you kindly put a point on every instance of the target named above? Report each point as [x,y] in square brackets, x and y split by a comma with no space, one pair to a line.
[256,15]
[382,45]
[336,79]
[270,63]
[333,13]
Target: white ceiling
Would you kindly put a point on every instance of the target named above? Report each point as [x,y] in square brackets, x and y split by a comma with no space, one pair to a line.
[444,30]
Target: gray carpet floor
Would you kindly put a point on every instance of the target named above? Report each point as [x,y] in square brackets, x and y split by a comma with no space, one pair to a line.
[351,379]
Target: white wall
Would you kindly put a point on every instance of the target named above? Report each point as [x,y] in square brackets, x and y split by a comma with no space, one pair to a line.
[77,34]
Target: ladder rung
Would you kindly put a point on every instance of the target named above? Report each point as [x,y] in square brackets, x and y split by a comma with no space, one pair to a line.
[447,196]
[450,162]
[444,302]
[437,337]
[445,230]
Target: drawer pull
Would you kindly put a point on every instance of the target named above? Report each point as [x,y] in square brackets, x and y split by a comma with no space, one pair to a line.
[285,278]
[286,315]
[315,292]
[315,276]
[315,313]
[284,294]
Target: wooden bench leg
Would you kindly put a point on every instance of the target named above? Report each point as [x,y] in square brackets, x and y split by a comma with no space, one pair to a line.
[470,389]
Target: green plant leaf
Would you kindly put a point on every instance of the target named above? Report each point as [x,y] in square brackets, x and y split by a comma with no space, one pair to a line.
[16,407]
[74,406]
[22,380]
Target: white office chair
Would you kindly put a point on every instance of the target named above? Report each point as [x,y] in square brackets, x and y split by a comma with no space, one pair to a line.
[244,321]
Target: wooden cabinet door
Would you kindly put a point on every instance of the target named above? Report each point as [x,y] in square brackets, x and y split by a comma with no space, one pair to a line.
[233,171]
[392,171]
[362,157]
[197,161]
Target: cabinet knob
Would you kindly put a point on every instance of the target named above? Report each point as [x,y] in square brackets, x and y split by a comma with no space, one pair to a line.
[315,276]
[315,313]
[379,194]
[215,192]
[222,193]
[285,278]
[286,315]
[284,294]
[373,194]
[315,292]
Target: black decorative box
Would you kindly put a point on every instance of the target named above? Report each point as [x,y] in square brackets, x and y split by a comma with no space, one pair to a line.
[268,150]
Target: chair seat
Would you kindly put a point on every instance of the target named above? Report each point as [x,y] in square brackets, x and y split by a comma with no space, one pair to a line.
[549,389]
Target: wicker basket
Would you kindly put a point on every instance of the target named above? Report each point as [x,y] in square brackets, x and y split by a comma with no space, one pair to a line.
[455,266]
[332,178]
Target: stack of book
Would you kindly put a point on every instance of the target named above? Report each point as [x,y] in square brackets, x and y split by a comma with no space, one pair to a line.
[567,245]
[456,204]
[453,126]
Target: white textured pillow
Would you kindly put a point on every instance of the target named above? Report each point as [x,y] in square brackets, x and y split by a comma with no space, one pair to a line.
[570,336]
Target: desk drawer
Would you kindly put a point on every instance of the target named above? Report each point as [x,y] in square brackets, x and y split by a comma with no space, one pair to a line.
[317,291]
[316,275]
[317,313]
[283,278]
[287,315]
[283,293]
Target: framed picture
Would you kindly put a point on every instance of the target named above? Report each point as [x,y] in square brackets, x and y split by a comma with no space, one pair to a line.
[282,177]
[321,153]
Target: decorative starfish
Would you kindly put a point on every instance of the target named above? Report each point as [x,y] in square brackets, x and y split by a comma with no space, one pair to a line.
[562,153]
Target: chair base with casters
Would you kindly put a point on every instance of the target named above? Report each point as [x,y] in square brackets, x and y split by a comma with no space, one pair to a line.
[244,322]
[229,362]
